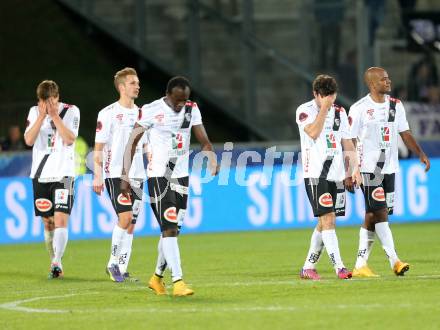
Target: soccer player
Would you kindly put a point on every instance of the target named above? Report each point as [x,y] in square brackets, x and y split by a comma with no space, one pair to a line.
[168,122]
[52,127]
[113,129]
[328,157]
[376,120]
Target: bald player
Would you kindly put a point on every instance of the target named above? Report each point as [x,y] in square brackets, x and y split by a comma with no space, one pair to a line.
[375,121]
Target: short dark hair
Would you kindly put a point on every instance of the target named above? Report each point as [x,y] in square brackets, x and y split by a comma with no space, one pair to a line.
[325,85]
[178,81]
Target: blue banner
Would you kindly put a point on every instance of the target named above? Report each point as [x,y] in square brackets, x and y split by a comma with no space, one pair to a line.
[247,198]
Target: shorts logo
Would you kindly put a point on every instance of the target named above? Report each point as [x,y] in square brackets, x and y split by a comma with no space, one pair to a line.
[170,214]
[326,200]
[61,196]
[124,200]
[43,204]
[378,194]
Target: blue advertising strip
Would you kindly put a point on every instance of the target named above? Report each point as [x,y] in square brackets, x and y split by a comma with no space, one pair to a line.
[252,198]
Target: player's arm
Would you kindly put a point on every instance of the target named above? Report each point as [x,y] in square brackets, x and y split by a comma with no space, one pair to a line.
[314,129]
[412,145]
[130,149]
[66,134]
[98,182]
[353,175]
[31,134]
[201,136]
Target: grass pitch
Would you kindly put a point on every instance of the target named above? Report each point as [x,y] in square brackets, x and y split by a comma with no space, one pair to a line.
[242,281]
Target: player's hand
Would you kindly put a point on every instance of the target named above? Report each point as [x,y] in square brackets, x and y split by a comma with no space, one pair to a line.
[42,109]
[214,168]
[52,107]
[425,160]
[326,101]
[125,187]
[357,178]
[348,184]
[98,185]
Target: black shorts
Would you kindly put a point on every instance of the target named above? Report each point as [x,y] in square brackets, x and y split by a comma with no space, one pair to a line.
[50,197]
[122,204]
[325,196]
[378,191]
[168,199]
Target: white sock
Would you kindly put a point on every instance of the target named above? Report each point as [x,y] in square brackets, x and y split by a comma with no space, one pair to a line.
[171,252]
[161,264]
[48,240]
[366,240]
[385,236]
[60,238]
[117,236]
[316,245]
[331,245]
[125,254]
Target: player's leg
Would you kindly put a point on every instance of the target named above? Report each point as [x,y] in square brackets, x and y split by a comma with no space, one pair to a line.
[157,188]
[49,229]
[127,240]
[383,230]
[63,203]
[366,232]
[122,207]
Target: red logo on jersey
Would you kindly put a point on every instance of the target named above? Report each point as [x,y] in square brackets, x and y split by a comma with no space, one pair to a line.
[43,204]
[124,200]
[119,116]
[370,113]
[378,194]
[331,141]
[326,200]
[159,117]
[350,120]
[98,126]
[170,214]
[303,116]
[385,131]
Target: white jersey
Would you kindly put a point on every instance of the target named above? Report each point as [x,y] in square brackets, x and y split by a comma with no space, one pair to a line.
[60,159]
[327,147]
[166,138]
[113,128]
[370,124]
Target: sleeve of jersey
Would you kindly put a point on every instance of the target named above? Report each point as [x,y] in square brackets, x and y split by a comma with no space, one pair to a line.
[74,121]
[402,123]
[102,128]
[196,116]
[345,127]
[147,117]
[31,118]
[303,117]
[353,123]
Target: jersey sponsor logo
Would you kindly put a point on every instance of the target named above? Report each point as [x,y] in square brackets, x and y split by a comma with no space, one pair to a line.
[385,133]
[43,204]
[350,120]
[159,117]
[370,113]
[303,116]
[170,214]
[124,200]
[98,126]
[331,141]
[378,194]
[325,200]
[119,116]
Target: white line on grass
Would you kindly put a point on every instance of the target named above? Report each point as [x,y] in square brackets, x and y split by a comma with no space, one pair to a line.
[14,305]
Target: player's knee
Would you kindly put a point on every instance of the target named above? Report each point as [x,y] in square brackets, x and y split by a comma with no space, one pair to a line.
[328,220]
[171,231]
[381,215]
